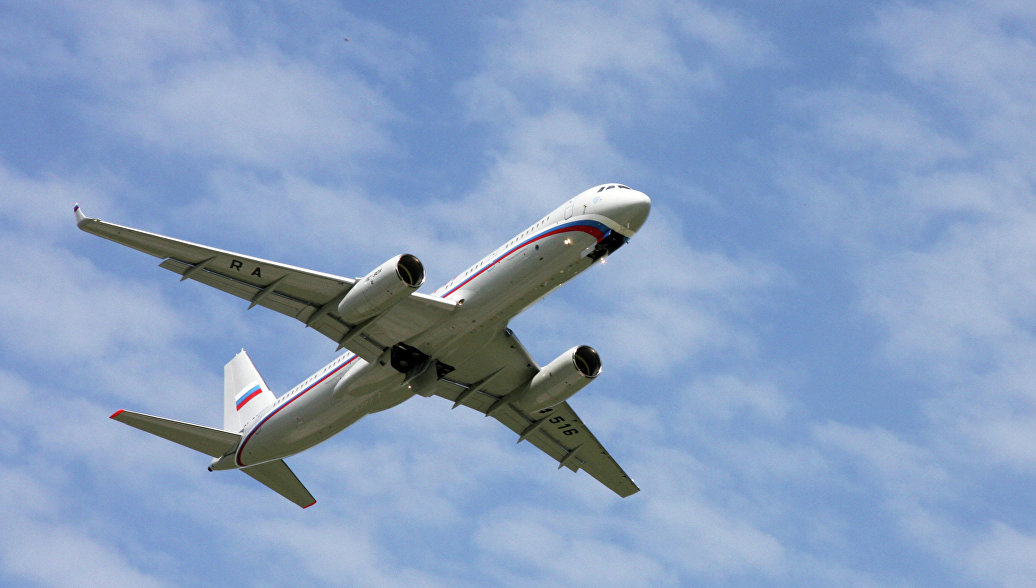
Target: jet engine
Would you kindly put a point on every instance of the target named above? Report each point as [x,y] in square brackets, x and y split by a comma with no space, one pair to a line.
[560,379]
[379,290]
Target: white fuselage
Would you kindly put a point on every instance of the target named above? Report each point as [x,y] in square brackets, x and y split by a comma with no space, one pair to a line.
[510,279]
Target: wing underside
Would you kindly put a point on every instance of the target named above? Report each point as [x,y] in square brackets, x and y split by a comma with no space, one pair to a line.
[500,367]
[547,431]
[308,296]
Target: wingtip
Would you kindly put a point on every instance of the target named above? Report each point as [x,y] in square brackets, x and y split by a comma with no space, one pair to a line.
[309,505]
[117,413]
[80,217]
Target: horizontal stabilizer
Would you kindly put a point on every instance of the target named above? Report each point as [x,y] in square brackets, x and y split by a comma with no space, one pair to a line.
[277,476]
[213,442]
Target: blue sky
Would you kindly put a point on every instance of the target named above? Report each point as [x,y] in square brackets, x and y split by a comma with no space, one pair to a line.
[819,351]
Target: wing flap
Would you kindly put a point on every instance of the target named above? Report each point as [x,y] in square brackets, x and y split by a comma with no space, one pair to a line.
[277,476]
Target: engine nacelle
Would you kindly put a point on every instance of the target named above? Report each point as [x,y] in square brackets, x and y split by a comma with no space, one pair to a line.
[560,379]
[379,290]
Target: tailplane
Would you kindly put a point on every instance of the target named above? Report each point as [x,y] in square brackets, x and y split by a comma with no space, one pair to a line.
[277,476]
[245,393]
[207,440]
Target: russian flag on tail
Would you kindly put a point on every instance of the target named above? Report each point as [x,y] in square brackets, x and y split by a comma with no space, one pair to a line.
[245,395]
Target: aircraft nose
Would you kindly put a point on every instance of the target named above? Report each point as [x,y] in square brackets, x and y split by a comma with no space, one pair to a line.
[629,208]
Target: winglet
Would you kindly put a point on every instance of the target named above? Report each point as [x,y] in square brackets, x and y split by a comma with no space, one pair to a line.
[80,217]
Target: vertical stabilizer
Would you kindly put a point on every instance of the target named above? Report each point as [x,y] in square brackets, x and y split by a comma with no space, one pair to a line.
[245,393]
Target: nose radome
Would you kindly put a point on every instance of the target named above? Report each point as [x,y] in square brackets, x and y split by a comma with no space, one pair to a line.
[628,207]
[639,208]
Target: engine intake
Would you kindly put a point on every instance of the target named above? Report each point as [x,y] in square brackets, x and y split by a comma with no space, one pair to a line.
[381,289]
[560,379]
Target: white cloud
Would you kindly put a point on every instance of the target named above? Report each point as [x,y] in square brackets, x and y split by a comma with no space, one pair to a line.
[60,304]
[948,304]
[56,555]
[529,545]
[906,470]
[1004,556]
[575,47]
[114,42]
[982,54]
[927,184]
[695,537]
[262,110]
[132,43]
[611,58]
[877,125]
[333,551]
[181,76]
[546,159]
[724,397]
[42,206]
[729,35]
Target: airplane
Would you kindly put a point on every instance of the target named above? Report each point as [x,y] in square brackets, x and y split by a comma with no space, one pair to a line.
[454,343]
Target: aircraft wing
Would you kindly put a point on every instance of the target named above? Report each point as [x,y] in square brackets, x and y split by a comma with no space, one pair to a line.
[311,297]
[501,366]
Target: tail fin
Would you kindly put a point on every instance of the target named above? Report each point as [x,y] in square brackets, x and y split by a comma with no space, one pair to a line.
[245,393]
